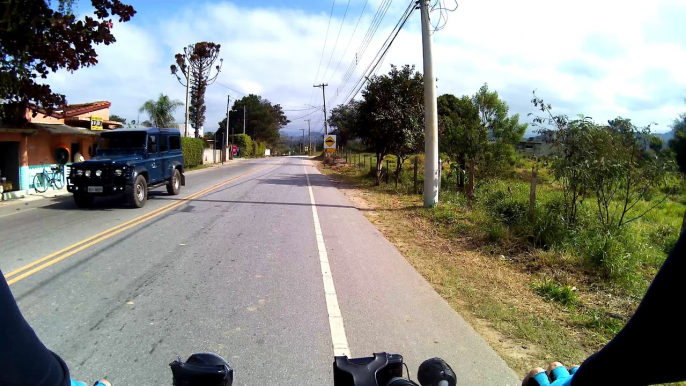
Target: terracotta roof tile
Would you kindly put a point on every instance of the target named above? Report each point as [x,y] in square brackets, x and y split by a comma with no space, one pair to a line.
[82,108]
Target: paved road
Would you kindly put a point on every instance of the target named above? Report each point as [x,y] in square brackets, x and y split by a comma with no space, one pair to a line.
[239,264]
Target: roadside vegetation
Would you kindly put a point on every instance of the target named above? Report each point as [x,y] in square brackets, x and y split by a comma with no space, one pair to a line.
[546,256]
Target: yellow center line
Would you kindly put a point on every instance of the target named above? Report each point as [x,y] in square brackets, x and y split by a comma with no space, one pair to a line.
[104,235]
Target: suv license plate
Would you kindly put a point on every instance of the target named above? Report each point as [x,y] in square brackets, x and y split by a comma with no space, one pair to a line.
[95,189]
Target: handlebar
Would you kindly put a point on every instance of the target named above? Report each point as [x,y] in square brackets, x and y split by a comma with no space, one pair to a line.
[383,369]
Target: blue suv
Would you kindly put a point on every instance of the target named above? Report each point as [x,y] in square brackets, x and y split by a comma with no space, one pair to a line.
[129,162]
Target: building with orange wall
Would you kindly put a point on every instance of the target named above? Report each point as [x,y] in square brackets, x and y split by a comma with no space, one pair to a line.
[49,139]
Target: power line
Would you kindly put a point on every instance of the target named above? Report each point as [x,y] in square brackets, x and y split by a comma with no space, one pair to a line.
[378,17]
[372,67]
[225,86]
[324,47]
[326,69]
[349,40]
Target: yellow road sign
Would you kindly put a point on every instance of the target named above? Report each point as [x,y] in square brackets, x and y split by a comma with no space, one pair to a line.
[330,150]
[329,142]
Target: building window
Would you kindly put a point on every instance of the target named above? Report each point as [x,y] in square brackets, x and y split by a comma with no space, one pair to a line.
[174,142]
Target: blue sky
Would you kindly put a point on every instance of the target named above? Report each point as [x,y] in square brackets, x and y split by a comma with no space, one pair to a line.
[585,57]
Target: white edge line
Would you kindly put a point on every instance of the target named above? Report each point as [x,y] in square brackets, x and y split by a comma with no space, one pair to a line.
[338,337]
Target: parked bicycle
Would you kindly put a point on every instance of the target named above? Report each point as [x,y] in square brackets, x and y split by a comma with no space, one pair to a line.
[48,177]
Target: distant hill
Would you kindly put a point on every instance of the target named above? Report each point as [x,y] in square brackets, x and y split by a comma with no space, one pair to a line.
[665,136]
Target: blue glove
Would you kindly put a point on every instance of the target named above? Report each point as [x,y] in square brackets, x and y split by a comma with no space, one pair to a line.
[77,383]
[559,376]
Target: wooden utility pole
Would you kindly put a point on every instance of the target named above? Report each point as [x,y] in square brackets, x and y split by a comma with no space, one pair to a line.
[326,122]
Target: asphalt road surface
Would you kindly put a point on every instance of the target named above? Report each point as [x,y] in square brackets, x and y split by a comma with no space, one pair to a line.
[264,262]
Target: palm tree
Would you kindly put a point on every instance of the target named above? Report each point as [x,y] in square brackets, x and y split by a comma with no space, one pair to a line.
[161,111]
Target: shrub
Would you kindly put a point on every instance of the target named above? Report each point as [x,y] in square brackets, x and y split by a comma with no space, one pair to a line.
[551,291]
[244,143]
[192,151]
[258,148]
[548,227]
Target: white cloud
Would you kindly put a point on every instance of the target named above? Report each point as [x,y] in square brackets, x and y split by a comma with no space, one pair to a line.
[601,59]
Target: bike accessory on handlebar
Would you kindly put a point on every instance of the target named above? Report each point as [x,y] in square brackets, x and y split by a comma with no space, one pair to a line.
[436,372]
[203,369]
[379,370]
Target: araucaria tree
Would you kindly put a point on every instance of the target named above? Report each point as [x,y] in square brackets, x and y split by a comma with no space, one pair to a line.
[195,66]
[36,40]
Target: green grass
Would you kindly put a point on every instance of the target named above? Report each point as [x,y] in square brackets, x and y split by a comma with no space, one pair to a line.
[611,270]
[551,291]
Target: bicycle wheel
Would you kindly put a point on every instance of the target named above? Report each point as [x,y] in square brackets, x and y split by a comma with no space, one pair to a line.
[40,182]
[58,180]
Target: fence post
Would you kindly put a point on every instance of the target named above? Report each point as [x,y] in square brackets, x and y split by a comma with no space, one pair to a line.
[440,173]
[416,166]
[532,191]
[388,171]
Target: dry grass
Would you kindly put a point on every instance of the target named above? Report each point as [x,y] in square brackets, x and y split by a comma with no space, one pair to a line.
[494,292]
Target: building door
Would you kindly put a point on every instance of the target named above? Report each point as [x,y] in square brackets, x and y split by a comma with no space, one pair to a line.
[9,164]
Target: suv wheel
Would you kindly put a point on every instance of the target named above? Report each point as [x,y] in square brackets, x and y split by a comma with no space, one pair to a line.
[174,183]
[83,201]
[137,194]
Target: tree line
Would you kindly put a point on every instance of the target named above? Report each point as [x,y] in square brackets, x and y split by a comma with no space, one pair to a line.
[474,130]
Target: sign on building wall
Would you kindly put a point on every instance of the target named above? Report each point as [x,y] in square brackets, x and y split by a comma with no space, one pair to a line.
[96,123]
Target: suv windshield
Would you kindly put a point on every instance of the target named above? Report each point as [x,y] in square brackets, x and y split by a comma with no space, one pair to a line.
[121,141]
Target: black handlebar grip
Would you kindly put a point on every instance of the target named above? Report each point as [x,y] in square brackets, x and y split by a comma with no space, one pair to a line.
[435,370]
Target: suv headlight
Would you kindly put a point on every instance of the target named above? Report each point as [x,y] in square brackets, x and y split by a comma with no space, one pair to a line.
[117,172]
[79,172]
[88,173]
[98,173]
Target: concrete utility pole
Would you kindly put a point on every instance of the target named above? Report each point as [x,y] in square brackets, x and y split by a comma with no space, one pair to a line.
[302,142]
[309,137]
[188,88]
[326,123]
[430,114]
[226,134]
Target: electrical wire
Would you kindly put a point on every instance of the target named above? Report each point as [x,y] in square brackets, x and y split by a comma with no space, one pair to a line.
[236,91]
[349,41]
[443,11]
[333,3]
[378,17]
[326,69]
[372,67]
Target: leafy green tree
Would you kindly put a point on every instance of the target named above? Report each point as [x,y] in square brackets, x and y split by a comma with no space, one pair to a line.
[160,111]
[656,143]
[504,131]
[392,115]
[678,143]
[199,58]
[604,163]
[117,118]
[461,135]
[263,120]
[343,120]
[36,40]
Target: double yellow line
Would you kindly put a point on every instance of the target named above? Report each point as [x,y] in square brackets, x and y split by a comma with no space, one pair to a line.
[56,257]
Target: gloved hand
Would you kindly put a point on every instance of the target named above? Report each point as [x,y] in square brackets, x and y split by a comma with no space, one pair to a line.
[556,375]
[101,382]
